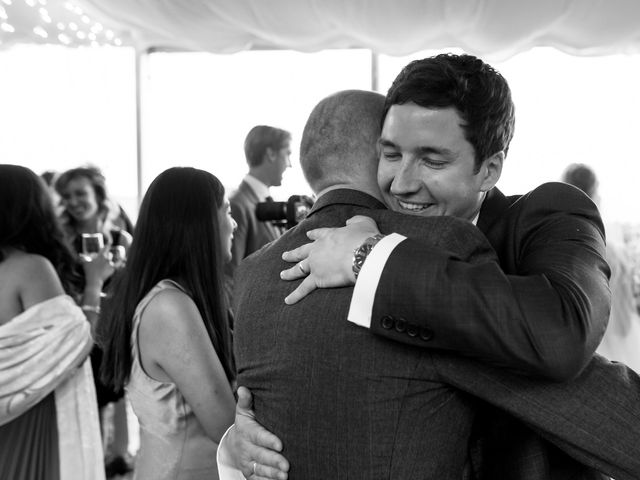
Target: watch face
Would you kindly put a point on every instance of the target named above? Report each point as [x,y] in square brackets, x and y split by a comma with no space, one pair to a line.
[360,255]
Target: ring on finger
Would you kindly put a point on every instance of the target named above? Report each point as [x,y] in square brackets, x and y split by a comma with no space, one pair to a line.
[254,467]
[304,272]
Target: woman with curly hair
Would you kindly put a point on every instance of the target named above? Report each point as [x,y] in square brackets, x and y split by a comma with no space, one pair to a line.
[87,208]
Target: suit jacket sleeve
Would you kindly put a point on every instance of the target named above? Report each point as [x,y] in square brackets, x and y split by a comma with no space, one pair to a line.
[594,418]
[543,315]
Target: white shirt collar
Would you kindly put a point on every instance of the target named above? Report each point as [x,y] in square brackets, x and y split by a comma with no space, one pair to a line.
[474,220]
[260,189]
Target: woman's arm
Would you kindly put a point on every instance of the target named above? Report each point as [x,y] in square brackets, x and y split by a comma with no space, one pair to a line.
[96,271]
[175,347]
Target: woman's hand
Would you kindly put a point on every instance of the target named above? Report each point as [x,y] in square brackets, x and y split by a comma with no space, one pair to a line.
[98,269]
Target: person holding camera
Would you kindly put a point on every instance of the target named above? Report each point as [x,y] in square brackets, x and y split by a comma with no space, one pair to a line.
[267,150]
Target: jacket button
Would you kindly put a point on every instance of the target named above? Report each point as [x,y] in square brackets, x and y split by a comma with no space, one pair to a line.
[412,331]
[426,334]
[387,322]
[401,325]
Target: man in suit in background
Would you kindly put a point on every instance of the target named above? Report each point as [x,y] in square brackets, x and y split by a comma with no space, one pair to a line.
[267,150]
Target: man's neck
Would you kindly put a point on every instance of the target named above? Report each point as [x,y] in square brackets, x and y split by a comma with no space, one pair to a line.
[260,175]
[374,192]
[258,187]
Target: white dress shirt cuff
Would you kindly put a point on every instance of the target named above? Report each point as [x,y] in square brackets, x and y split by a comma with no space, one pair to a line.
[367,283]
[226,470]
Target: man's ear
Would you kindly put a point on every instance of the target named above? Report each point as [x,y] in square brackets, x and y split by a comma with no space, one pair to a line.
[270,154]
[491,170]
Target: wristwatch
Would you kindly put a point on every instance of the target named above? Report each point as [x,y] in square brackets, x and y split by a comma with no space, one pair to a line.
[360,254]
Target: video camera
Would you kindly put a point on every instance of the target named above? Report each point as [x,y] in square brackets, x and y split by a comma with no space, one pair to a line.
[287,214]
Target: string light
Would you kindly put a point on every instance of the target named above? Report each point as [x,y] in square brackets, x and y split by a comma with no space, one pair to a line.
[66,23]
[41,32]
[64,39]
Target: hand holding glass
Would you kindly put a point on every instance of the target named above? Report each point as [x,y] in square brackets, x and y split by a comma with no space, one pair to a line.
[117,256]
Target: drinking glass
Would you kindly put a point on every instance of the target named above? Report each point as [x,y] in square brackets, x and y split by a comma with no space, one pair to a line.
[92,243]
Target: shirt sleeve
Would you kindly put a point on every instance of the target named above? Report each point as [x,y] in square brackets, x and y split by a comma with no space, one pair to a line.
[226,470]
[365,289]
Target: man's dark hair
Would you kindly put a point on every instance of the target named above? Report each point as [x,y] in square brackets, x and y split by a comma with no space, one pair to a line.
[480,95]
[259,139]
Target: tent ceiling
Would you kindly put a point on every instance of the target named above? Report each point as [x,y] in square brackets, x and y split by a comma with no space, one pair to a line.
[493,28]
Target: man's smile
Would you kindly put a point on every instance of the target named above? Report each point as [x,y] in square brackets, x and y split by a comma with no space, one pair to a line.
[413,207]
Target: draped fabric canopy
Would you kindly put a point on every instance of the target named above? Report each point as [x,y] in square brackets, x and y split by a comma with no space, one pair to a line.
[491,28]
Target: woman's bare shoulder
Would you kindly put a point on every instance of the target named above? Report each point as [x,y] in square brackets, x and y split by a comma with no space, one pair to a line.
[33,274]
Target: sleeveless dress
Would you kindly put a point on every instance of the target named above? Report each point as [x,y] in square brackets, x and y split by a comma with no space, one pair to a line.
[173,444]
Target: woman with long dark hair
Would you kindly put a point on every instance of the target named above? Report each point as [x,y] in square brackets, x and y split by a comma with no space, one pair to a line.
[166,335]
[48,415]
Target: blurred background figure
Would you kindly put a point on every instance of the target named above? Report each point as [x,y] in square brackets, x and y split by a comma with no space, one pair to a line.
[267,151]
[621,340]
[87,209]
[49,177]
[166,334]
[48,410]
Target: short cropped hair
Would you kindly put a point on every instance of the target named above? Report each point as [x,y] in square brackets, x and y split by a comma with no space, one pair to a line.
[581,176]
[480,95]
[259,139]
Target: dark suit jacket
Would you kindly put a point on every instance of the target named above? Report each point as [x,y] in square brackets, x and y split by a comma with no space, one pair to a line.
[594,418]
[540,312]
[348,404]
[251,233]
